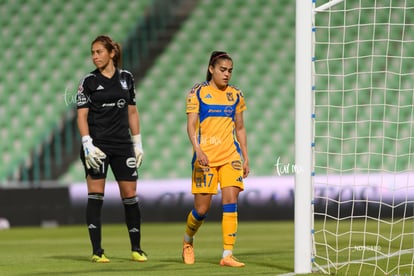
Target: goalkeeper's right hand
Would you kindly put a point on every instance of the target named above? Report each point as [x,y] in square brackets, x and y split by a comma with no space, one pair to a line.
[93,155]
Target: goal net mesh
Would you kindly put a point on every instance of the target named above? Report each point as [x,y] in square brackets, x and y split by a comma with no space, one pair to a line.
[363,180]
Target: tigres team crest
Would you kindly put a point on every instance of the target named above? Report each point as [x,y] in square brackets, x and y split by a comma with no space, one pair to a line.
[230,97]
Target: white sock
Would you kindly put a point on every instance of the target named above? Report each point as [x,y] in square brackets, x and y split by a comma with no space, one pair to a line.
[188,239]
[227,253]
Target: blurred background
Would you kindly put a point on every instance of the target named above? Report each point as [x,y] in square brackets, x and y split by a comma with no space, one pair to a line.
[166,45]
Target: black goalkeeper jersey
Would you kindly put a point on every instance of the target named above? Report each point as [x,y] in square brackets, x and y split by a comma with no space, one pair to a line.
[107,100]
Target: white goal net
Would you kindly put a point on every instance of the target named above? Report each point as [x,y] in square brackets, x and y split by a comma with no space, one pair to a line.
[363,178]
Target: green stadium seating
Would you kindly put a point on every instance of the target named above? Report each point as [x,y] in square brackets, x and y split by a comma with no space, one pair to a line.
[259,35]
[237,34]
[247,30]
[45,52]
[392,153]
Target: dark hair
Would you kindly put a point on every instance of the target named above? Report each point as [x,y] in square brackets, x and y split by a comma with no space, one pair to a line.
[110,45]
[214,57]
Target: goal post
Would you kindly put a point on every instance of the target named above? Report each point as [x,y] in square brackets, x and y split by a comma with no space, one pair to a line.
[303,137]
[354,137]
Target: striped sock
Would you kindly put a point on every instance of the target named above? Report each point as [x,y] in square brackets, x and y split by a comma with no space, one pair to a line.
[133,221]
[194,221]
[93,220]
[229,227]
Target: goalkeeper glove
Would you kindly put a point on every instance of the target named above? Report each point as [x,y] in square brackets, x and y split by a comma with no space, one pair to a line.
[139,152]
[93,155]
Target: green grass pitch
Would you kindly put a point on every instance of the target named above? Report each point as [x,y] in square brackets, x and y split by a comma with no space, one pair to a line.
[265,247]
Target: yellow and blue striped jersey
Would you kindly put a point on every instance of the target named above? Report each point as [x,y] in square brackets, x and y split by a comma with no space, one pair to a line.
[216,125]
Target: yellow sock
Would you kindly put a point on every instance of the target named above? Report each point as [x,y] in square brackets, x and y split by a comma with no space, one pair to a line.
[194,222]
[229,228]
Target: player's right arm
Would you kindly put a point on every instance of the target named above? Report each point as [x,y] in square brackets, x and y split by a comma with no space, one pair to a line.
[82,102]
[93,155]
[192,121]
[192,109]
[82,120]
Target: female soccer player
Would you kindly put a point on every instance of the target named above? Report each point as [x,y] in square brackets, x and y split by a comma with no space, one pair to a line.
[215,127]
[108,123]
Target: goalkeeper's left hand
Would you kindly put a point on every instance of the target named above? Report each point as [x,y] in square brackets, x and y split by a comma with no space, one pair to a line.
[139,152]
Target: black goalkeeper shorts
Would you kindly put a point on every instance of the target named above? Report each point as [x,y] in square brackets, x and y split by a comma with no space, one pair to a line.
[121,160]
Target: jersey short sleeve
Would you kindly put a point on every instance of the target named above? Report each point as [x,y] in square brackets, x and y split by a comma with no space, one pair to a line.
[132,98]
[192,103]
[127,81]
[241,106]
[86,85]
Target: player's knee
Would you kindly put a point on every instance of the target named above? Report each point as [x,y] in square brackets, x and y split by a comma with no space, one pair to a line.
[200,213]
[130,200]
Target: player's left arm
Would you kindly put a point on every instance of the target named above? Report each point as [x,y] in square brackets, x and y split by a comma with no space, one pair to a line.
[133,119]
[133,113]
[242,138]
[134,126]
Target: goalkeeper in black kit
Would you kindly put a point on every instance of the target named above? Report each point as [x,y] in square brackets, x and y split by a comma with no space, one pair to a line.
[108,122]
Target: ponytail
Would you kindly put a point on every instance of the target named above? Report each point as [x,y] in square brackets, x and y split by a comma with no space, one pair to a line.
[117,59]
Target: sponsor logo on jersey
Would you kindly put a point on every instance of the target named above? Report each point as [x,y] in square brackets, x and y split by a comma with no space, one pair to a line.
[202,169]
[100,87]
[208,96]
[228,110]
[81,99]
[237,165]
[124,84]
[131,162]
[80,89]
[121,103]
[108,104]
[191,104]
